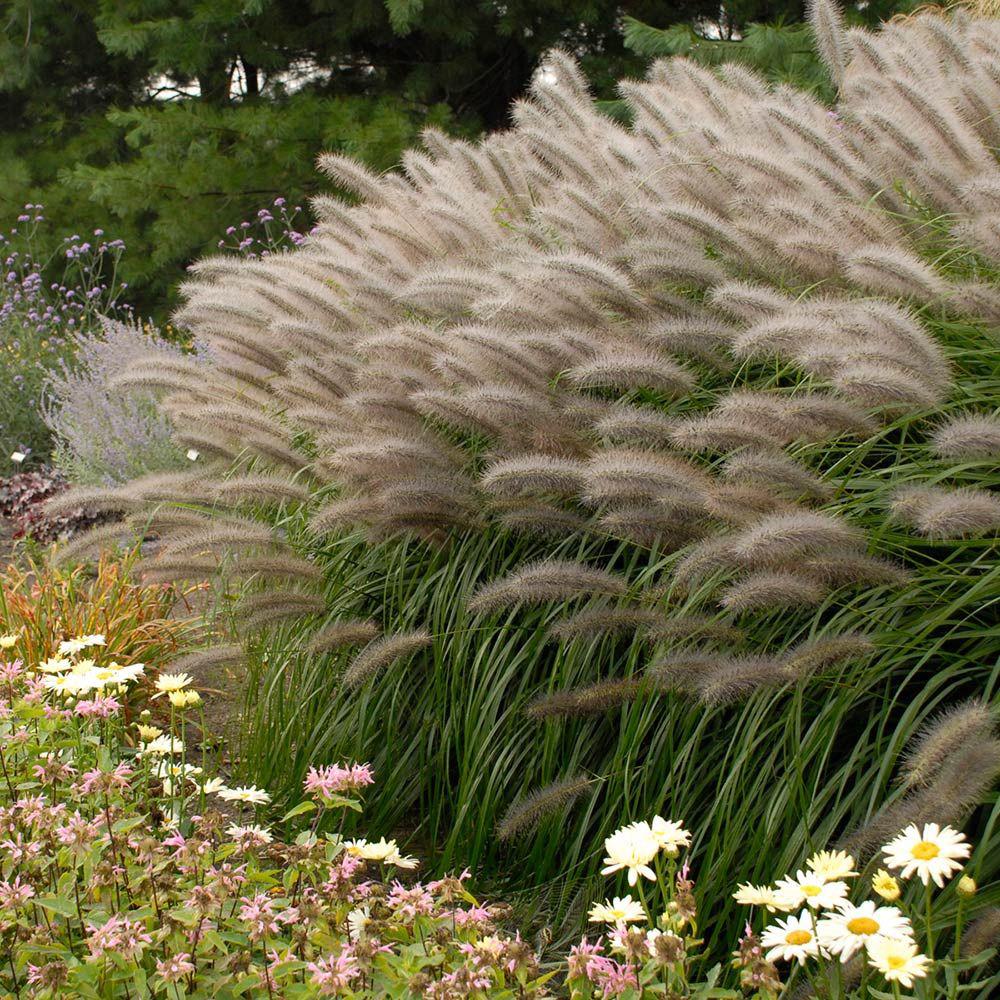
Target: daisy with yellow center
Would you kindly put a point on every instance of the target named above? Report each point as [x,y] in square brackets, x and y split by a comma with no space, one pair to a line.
[885,885]
[811,889]
[249,794]
[933,853]
[619,911]
[172,682]
[748,894]
[669,835]
[792,939]
[852,927]
[55,665]
[832,866]
[632,848]
[897,960]
[8,641]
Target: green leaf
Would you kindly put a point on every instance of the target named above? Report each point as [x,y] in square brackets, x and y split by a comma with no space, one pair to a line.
[57,904]
[300,810]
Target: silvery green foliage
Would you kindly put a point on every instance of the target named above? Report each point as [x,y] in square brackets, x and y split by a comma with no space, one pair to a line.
[105,435]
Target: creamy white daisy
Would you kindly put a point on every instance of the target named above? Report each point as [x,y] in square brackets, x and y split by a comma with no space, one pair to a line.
[932,853]
[669,835]
[620,910]
[849,929]
[249,794]
[898,960]
[791,939]
[812,889]
[832,865]
[748,894]
[631,849]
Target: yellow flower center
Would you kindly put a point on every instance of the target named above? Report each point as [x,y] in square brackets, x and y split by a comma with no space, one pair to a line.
[811,890]
[862,925]
[895,961]
[925,850]
[798,937]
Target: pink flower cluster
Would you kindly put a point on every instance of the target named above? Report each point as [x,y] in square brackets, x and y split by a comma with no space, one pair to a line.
[336,779]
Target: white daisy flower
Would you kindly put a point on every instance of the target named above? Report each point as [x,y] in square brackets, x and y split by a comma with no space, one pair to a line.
[898,960]
[160,745]
[55,665]
[9,641]
[791,939]
[832,865]
[214,786]
[259,834]
[669,835]
[851,928]
[631,848]
[931,853]
[811,889]
[250,794]
[357,920]
[748,894]
[619,911]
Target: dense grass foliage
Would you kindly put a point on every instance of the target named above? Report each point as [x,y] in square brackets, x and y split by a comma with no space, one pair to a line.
[596,470]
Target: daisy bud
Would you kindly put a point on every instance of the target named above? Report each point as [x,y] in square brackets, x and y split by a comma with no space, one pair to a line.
[966,886]
[885,885]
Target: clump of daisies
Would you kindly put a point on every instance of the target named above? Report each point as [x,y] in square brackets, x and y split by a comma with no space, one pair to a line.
[651,930]
[842,941]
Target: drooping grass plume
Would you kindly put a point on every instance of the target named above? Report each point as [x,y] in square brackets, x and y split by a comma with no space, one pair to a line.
[938,512]
[211,656]
[525,814]
[533,474]
[259,489]
[982,933]
[782,538]
[812,655]
[771,590]
[591,699]
[92,542]
[340,634]
[592,623]
[694,626]
[943,737]
[381,653]
[774,470]
[260,610]
[631,369]
[969,436]
[718,679]
[548,580]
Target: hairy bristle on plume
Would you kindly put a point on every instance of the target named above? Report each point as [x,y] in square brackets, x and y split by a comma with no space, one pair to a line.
[942,737]
[982,933]
[592,623]
[549,580]
[938,512]
[212,656]
[528,812]
[339,634]
[968,436]
[769,591]
[807,657]
[782,538]
[591,699]
[381,653]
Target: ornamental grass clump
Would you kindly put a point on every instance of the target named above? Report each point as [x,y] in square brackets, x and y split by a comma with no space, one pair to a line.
[550,397]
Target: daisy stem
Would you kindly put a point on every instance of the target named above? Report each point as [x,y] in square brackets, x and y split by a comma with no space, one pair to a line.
[895,989]
[930,932]
[642,899]
[958,928]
